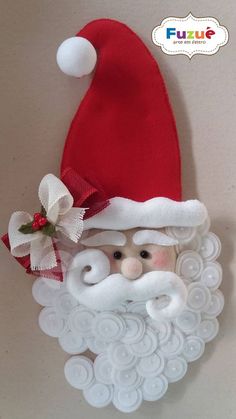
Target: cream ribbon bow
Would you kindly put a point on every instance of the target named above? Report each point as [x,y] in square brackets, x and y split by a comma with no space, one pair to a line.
[68,220]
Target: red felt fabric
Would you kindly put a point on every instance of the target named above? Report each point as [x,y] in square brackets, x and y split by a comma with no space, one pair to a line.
[123,135]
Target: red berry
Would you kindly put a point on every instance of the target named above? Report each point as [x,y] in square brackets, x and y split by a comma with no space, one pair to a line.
[37,216]
[42,221]
[35,225]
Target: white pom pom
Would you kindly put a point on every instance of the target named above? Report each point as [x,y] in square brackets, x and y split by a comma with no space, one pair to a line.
[76,56]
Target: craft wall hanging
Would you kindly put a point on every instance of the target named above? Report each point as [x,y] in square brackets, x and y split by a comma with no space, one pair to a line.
[126,270]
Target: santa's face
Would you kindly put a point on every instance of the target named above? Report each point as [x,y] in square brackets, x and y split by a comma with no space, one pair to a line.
[131,265]
[132,260]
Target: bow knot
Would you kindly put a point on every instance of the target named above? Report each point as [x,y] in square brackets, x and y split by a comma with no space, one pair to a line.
[34,235]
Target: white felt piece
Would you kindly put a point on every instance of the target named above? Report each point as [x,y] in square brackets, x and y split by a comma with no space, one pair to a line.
[208,329]
[72,343]
[123,214]
[98,394]
[88,267]
[105,238]
[194,348]
[79,372]
[212,275]
[154,388]
[127,400]
[153,237]
[43,292]
[64,302]
[76,57]
[109,326]
[127,379]
[174,346]
[51,323]
[182,234]
[175,369]
[111,290]
[146,346]
[210,247]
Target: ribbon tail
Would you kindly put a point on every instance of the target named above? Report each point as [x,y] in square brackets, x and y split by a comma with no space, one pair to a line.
[42,254]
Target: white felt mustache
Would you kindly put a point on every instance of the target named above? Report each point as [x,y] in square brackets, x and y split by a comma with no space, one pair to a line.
[97,289]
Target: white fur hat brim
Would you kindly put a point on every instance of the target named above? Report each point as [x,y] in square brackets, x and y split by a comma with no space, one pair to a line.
[124,214]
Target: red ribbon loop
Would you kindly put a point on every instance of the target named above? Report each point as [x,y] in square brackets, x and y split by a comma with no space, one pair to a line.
[85,194]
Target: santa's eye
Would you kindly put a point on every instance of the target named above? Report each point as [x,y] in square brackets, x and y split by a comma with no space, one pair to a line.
[145,254]
[117,255]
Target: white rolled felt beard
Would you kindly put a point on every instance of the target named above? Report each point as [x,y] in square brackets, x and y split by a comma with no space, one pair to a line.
[136,356]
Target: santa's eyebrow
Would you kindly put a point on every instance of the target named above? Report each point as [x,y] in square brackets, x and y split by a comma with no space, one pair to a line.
[153,237]
[109,237]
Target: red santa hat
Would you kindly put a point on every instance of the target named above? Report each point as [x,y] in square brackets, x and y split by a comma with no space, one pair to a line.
[123,136]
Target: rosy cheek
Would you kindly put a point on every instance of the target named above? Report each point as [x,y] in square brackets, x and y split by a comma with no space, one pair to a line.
[160,259]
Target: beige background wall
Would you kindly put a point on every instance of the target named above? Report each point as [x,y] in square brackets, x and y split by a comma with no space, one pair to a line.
[37,104]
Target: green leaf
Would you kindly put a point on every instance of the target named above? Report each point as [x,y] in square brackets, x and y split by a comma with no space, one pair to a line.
[43,211]
[26,228]
[49,230]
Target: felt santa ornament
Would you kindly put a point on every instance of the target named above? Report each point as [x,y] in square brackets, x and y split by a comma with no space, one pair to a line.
[138,265]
